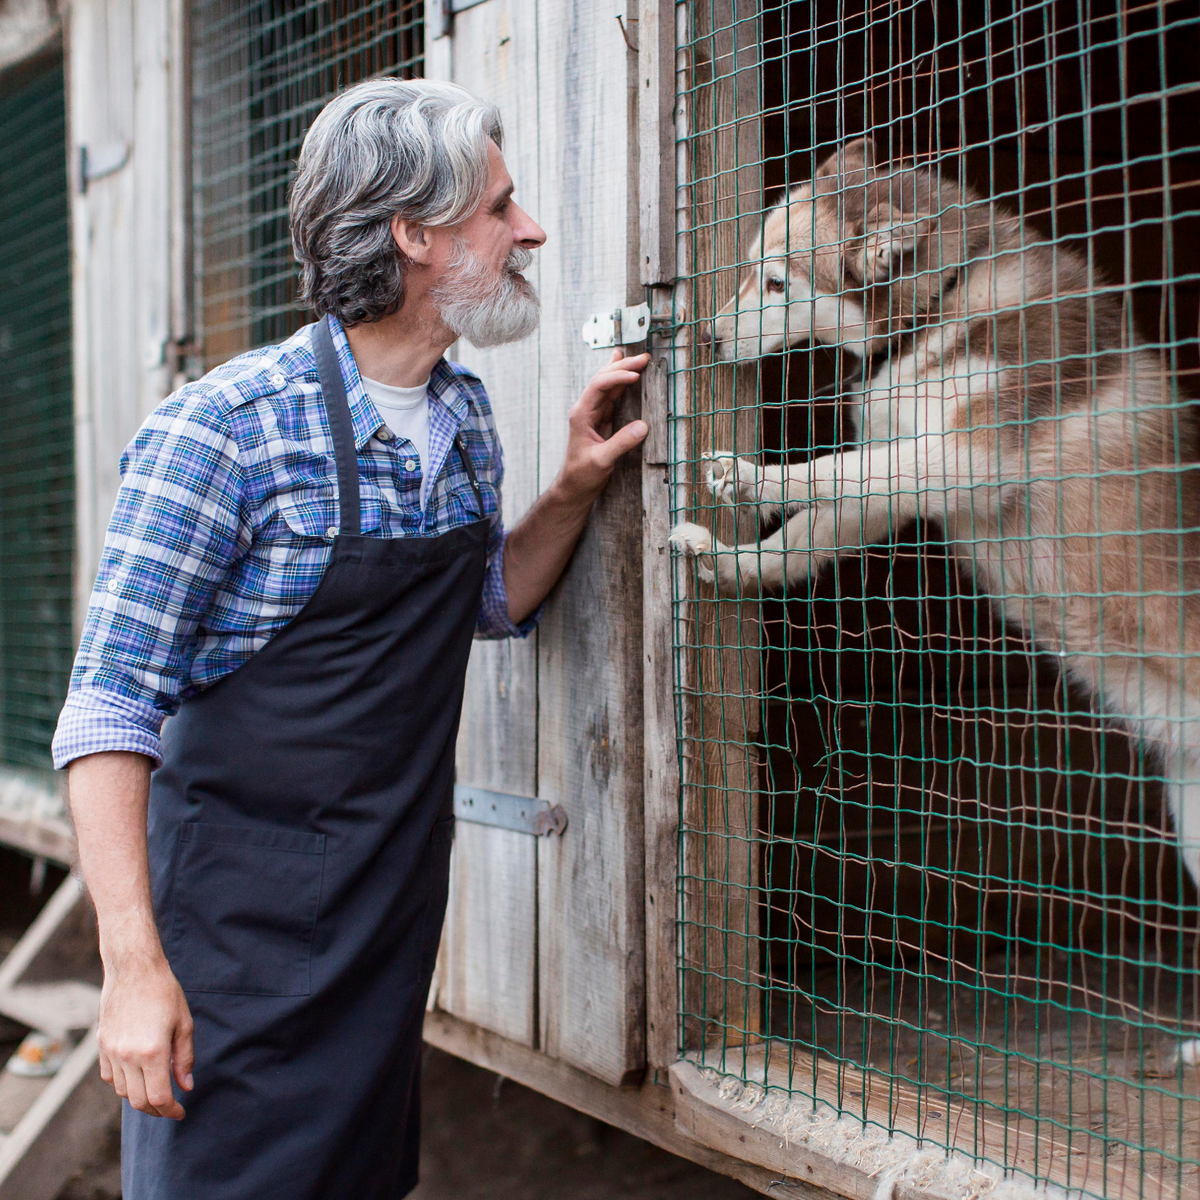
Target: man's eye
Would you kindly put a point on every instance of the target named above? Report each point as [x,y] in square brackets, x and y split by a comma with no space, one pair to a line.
[774,285]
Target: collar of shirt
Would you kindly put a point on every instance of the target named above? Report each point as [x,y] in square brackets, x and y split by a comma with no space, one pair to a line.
[448,403]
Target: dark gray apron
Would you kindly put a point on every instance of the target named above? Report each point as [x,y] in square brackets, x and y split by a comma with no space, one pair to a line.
[300,831]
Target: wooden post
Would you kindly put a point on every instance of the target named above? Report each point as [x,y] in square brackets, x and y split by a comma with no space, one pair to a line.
[722,987]
[656,202]
[120,91]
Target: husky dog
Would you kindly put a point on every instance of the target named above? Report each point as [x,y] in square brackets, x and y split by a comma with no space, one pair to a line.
[1005,396]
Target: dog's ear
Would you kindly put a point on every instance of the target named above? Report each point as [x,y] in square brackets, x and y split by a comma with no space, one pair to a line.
[890,243]
[847,168]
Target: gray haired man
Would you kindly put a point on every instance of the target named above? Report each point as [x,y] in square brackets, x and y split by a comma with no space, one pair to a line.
[304,542]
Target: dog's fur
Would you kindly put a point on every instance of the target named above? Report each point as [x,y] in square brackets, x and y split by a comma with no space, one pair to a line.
[1005,396]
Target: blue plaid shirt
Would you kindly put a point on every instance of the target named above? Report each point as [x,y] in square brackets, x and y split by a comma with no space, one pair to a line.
[224,523]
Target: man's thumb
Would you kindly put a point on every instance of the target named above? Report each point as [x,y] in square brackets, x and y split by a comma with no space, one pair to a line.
[623,441]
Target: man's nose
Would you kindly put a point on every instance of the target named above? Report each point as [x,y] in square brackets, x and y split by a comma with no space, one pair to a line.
[529,233]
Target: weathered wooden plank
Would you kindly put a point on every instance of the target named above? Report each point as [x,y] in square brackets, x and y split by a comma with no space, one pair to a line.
[786,1120]
[656,140]
[722,985]
[486,965]
[487,968]
[591,902]
[656,202]
[660,777]
[120,91]
[647,1111]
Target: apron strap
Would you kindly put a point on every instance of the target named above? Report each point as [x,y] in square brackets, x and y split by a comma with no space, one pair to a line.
[466,461]
[337,408]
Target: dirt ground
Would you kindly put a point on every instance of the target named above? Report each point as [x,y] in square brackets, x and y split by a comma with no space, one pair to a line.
[490,1139]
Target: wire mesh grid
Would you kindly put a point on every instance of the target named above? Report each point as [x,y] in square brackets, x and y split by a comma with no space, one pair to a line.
[939,709]
[37,452]
[262,69]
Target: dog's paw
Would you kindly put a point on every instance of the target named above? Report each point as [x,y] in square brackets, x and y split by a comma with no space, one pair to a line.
[694,541]
[731,480]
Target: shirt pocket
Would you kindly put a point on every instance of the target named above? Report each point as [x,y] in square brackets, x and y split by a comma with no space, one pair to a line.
[313,512]
[245,903]
[464,505]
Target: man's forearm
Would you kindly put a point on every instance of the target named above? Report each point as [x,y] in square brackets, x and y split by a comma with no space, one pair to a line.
[109,794]
[539,546]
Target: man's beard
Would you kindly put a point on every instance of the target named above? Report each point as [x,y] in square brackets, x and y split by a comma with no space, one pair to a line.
[483,306]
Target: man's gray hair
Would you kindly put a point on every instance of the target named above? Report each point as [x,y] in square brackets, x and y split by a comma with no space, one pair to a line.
[388,146]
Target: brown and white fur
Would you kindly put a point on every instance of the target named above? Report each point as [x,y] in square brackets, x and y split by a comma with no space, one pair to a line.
[1004,397]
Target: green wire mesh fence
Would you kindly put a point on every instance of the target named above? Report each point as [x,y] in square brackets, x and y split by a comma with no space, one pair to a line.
[262,69]
[940,709]
[37,465]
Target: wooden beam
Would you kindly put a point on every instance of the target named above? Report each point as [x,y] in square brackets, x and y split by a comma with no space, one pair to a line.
[647,1111]
[660,775]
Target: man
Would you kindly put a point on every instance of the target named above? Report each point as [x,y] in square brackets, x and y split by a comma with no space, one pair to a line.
[303,544]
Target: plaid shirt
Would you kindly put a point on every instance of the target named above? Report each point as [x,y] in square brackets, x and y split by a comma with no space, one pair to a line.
[224,523]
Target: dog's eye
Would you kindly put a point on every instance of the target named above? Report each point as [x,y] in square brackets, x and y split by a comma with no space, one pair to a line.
[774,285]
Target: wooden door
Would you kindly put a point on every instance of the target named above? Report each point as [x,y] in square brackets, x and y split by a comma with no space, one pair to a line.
[544,939]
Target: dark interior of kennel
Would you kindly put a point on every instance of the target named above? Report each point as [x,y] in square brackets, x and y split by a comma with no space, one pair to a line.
[945,826]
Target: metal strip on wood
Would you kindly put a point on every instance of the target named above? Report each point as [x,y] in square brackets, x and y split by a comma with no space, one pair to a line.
[520,813]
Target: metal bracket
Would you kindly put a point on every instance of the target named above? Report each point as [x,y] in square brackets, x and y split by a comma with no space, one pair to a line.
[521,813]
[99,161]
[621,327]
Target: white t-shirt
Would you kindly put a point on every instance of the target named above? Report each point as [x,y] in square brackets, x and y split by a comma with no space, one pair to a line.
[405,411]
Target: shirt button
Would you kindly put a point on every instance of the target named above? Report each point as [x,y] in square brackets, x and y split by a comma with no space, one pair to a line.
[385,434]
[332,531]
[278,381]
[411,465]
[114,585]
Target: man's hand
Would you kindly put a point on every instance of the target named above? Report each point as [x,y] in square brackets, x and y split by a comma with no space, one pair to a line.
[592,447]
[145,1028]
[145,1036]
[537,550]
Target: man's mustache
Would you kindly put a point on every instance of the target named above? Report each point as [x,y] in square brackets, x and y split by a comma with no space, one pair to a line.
[518,260]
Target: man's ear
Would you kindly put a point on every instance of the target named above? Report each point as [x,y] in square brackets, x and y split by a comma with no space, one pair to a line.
[410,238]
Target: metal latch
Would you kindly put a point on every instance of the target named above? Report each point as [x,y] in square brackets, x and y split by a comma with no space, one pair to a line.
[621,327]
[521,813]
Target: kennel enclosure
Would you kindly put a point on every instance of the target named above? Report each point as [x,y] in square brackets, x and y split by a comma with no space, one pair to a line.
[927,883]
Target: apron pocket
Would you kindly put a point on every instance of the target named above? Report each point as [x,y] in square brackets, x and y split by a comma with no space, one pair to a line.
[245,905]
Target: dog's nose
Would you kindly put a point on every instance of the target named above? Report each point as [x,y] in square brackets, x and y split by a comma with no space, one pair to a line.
[706,334]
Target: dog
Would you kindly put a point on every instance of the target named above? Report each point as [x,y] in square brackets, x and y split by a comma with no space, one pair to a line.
[1004,396]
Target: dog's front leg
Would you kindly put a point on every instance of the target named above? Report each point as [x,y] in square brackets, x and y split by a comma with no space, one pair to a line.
[752,566]
[862,495]
[737,481]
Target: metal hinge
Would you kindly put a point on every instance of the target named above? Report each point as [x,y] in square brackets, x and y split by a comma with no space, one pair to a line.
[621,327]
[521,813]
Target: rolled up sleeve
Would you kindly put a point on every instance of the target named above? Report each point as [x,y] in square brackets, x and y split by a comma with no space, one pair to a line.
[494,621]
[176,529]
